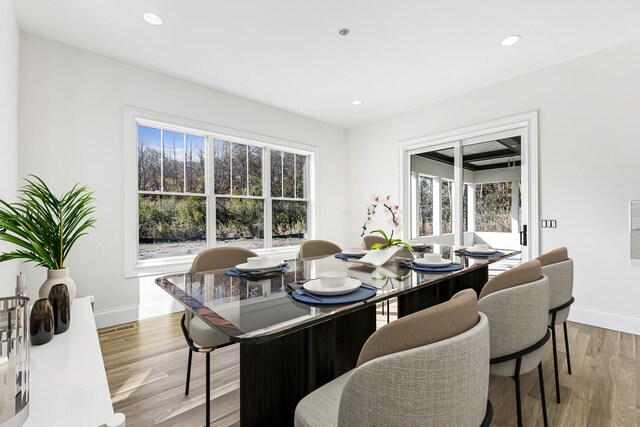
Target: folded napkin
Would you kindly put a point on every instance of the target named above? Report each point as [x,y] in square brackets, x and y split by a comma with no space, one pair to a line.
[496,253]
[282,268]
[448,268]
[347,256]
[359,294]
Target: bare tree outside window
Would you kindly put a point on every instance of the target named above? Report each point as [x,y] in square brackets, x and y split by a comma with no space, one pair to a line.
[172,196]
[425,212]
[493,207]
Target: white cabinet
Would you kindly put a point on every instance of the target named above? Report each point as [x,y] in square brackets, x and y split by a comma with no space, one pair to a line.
[68,382]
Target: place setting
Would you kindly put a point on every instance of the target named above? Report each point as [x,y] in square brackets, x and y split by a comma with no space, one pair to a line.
[479,250]
[433,263]
[258,266]
[355,252]
[332,288]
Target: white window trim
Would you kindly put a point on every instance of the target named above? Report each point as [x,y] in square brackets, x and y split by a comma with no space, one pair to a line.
[527,123]
[134,116]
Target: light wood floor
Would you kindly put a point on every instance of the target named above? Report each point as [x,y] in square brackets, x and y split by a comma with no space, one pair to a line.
[146,363]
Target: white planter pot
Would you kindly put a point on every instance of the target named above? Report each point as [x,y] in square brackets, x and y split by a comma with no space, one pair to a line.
[55,277]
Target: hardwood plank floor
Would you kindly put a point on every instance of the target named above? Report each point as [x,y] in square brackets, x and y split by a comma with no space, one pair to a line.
[146,365]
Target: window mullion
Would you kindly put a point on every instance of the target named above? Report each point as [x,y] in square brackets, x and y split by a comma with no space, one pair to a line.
[246,169]
[230,168]
[184,162]
[209,166]
[266,188]
[161,160]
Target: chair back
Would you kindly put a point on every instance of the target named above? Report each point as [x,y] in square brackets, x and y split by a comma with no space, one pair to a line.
[442,384]
[370,239]
[219,258]
[318,248]
[517,316]
[558,267]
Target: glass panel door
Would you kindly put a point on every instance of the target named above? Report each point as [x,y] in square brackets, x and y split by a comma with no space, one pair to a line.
[471,191]
[493,211]
[434,195]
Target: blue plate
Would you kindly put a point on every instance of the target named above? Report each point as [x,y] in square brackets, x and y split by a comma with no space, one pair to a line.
[451,267]
[360,294]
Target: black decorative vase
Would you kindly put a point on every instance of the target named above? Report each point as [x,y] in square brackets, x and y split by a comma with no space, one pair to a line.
[41,327]
[59,299]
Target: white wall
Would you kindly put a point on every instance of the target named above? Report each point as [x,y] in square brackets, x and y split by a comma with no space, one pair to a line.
[9,53]
[589,156]
[72,108]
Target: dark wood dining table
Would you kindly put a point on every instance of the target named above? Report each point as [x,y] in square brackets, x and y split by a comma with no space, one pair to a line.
[289,348]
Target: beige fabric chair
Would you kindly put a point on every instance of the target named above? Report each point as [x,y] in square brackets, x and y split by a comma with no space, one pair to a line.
[370,239]
[516,303]
[202,338]
[437,377]
[310,249]
[557,265]
[219,258]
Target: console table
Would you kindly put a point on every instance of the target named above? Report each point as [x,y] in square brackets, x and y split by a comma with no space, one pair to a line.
[68,384]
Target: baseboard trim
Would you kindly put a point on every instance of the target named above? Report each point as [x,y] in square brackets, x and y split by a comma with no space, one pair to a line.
[605,319]
[131,313]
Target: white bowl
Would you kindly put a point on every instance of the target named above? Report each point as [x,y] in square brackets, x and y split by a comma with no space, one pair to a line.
[481,247]
[257,261]
[432,257]
[333,279]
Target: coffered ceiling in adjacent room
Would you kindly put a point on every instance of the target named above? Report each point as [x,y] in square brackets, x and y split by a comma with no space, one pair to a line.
[398,55]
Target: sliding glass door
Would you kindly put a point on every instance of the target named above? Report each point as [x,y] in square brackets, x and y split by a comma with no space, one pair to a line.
[471,191]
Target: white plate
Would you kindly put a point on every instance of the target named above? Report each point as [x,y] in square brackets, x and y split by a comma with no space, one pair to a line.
[481,251]
[424,263]
[360,252]
[315,287]
[417,244]
[245,266]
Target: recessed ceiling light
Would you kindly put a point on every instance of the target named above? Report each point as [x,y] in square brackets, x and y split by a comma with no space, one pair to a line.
[152,18]
[343,32]
[357,102]
[510,41]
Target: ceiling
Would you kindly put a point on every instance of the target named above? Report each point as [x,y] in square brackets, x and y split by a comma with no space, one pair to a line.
[398,56]
[496,154]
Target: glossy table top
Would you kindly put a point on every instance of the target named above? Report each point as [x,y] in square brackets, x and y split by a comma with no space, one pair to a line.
[253,310]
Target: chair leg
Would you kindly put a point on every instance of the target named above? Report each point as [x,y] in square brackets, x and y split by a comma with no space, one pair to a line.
[555,360]
[186,387]
[566,345]
[542,395]
[208,385]
[388,316]
[516,378]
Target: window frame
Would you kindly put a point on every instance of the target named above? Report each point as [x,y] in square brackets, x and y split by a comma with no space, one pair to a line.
[136,116]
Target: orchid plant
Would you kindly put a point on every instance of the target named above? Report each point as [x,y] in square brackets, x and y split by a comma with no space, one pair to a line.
[393,210]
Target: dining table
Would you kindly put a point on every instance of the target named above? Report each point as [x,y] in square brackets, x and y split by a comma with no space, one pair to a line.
[290,348]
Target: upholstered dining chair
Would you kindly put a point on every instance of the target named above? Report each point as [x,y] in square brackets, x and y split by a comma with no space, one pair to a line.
[558,267]
[430,368]
[370,239]
[310,249]
[202,338]
[516,303]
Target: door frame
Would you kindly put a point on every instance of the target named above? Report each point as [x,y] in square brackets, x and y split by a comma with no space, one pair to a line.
[526,123]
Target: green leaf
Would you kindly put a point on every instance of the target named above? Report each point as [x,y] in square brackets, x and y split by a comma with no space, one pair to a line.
[408,246]
[43,226]
[380,232]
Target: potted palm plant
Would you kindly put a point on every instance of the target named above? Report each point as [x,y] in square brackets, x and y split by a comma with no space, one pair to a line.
[45,227]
